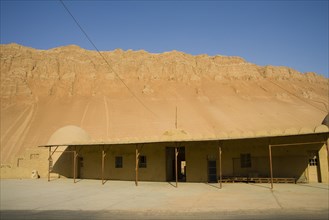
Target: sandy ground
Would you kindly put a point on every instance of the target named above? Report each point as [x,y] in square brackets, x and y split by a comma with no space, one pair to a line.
[88,199]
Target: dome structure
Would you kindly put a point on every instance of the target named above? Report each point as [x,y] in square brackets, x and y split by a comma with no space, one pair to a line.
[68,135]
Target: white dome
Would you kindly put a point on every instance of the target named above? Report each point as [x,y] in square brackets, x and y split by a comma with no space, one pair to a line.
[68,135]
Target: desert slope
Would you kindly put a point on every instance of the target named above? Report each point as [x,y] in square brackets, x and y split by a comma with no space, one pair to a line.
[44,90]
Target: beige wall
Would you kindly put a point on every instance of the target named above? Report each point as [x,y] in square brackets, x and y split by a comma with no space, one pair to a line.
[154,171]
[288,161]
[196,154]
[92,163]
[323,163]
[22,166]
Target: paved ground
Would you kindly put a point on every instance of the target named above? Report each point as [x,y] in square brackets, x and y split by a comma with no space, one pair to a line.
[88,199]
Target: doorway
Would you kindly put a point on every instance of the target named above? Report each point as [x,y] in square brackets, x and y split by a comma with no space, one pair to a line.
[171,166]
[313,176]
[79,168]
[212,171]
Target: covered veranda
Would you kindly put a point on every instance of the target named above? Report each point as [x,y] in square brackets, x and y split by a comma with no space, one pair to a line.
[317,137]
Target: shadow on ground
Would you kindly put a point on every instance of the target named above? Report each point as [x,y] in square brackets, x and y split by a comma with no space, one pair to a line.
[101,214]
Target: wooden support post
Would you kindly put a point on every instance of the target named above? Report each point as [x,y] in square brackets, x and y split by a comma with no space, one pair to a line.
[271,166]
[176,166]
[49,163]
[326,142]
[103,162]
[74,165]
[136,168]
[220,166]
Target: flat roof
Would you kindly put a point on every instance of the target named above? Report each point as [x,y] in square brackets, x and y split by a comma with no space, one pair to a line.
[172,139]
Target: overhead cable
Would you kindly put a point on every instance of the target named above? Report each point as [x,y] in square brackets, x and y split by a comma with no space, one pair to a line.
[326,111]
[117,75]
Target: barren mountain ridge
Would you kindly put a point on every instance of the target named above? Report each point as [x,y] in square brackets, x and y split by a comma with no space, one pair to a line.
[134,94]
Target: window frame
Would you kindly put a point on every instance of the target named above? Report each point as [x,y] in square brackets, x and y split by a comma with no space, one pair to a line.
[118,162]
[140,163]
[313,162]
[245,160]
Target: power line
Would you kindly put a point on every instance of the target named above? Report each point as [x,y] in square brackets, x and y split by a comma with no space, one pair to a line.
[117,75]
[299,97]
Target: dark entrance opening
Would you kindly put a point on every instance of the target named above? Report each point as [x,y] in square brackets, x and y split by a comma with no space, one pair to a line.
[79,165]
[212,171]
[170,164]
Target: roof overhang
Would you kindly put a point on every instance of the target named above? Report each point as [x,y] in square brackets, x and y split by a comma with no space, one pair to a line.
[319,130]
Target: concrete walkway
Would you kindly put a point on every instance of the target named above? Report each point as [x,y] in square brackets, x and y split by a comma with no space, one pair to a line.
[88,199]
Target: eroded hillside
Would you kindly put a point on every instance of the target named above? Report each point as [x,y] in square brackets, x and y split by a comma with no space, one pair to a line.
[44,90]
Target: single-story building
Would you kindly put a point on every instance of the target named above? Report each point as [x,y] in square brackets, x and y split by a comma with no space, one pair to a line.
[292,155]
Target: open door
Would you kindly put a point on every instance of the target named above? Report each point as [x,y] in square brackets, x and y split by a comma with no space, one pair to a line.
[170,164]
[79,167]
[313,167]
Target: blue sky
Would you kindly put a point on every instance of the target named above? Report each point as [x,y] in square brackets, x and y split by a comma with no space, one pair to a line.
[281,33]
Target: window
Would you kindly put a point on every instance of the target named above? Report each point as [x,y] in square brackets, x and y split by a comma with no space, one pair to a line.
[313,162]
[245,160]
[34,156]
[313,158]
[18,161]
[142,162]
[118,162]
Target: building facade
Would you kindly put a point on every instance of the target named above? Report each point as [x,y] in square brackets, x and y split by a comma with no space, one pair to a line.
[302,157]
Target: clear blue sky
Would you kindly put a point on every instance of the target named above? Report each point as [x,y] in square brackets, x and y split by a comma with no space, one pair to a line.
[285,33]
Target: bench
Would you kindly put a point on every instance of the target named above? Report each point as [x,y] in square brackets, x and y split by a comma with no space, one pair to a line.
[231,179]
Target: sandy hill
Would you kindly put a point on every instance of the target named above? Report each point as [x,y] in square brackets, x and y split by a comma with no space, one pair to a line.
[44,90]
